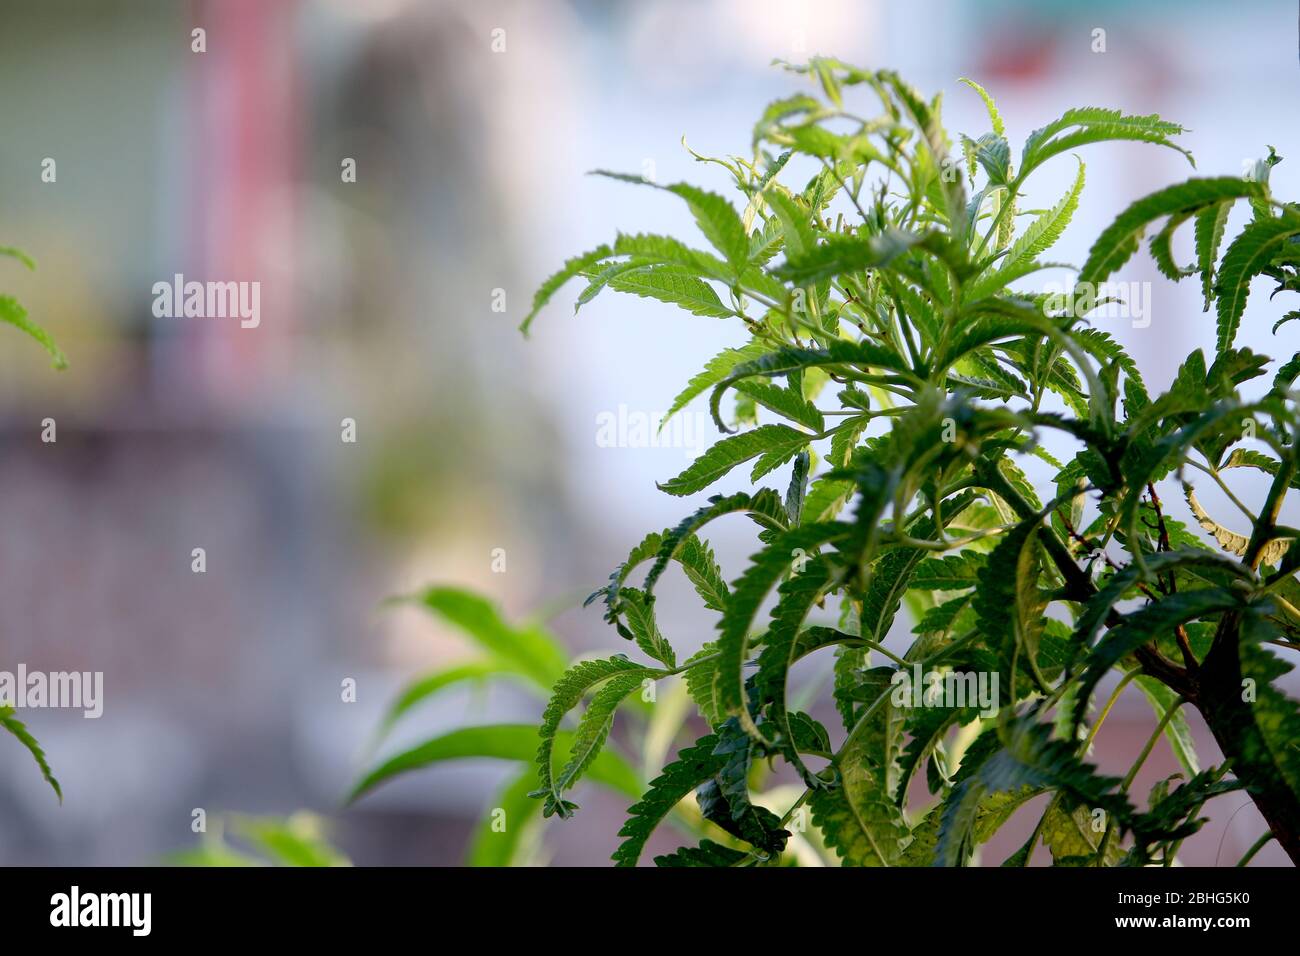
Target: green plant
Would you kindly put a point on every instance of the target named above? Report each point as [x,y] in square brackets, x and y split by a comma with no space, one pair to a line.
[14,314]
[531,658]
[298,841]
[526,655]
[892,303]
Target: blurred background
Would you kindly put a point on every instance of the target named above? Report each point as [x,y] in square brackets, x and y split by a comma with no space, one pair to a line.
[471,125]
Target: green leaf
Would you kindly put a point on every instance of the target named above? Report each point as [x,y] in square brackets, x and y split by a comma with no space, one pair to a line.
[796,228]
[694,765]
[665,250]
[1276,715]
[645,629]
[1208,229]
[748,593]
[784,402]
[501,742]
[1027,762]
[579,680]
[674,285]
[707,854]
[503,844]
[789,361]
[296,841]
[725,801]
[695,557]
[995,118]
[715,216]
[1100,605]
[528,648]
[19,730]
[826,499]
[801,105]
[798,595]
[14,253]
[1247,256]
[950,573]
[427,686]
[1010,606]
[16,315]
[841,254]
[993,152]
[778,440]
[701,568]
[860,819]
[1091,124]
[1041,235]
[1116,245]
[592,732]
[715,371]
[572,267]
[1073,839]
[1177,730]
[1146,624]
[701,675]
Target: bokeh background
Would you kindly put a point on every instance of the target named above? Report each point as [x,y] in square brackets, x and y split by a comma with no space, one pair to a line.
[223,688]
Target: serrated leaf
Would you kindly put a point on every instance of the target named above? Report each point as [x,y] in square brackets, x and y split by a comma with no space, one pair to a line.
[1177,730]
[1228,540]
[15,315]
[860,819]
[701,682]
[950,573]
[747,594]
[499,741]
[572,267]
[995,118]
[1021,760]
[1208,229]
[765,507]
[640,617]
[797,596]
[715,216]
[707,854]
[784,402]
[1117,243]
[19,730]
[840,254]
[715,371]
[1091,124]
[732,451]
[593,729]
[1009,605]
[1146,624]
[1071,836]
[1040,236]
[674,285]
[1247,256]
[693,766]
[579,680]
[789,361]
